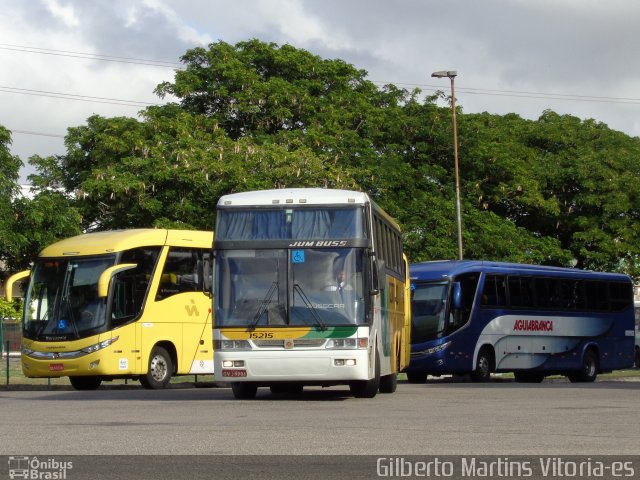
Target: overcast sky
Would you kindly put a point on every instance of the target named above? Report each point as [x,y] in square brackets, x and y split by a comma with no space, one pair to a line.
[579,57]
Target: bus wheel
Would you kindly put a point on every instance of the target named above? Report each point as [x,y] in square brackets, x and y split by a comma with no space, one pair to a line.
[159,371]
[637,357]
[85,383]
[413,377]
[482,373]
[589,370]
[244,391]
[389,383]
[528,377]
[367,388]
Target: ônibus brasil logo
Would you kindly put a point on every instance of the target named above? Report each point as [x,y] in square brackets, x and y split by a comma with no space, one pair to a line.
[33,468]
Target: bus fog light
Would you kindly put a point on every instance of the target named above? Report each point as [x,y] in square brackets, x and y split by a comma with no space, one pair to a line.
[93,365]
[344,362]
[232,363]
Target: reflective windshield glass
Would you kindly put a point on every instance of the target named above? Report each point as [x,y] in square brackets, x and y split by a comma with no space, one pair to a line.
[250,287]
[290,224]
[428,307]
[315,287]
[62,298]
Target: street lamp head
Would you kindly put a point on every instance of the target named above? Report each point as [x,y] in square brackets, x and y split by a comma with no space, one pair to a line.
[445,73]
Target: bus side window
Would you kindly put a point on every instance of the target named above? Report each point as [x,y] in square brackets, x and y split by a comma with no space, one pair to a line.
[131,286]
[182,272]
[494,293]
[521,292]
[468,285]
[620,296]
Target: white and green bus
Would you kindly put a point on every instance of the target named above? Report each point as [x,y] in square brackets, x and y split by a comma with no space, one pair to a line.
[311,288]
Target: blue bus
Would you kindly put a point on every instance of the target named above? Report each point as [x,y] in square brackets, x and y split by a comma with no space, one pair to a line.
[475,317]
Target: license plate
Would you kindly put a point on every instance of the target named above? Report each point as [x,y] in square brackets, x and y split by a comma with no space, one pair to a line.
[234,373]
[56,367]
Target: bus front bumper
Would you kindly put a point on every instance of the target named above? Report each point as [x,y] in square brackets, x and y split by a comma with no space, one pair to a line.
[310,367]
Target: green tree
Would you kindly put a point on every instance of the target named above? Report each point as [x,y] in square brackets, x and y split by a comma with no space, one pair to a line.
[169,169]
[558,178]
[257,115]
[9,190]
[10,309]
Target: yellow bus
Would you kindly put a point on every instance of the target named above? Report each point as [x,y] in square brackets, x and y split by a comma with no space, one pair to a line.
[119,304]
[311,288]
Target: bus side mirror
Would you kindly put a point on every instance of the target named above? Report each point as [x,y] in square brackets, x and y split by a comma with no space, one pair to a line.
[378,280]
[8,287]
[108,274]
[457,296]
[207,277]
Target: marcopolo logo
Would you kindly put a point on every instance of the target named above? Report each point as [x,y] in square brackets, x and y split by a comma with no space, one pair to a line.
[35,468]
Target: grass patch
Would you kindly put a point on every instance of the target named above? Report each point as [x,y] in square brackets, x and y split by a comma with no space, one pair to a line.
[16,377]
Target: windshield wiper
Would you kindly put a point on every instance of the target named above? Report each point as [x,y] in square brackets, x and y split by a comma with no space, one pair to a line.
[42,325]
[65,300]
[309,305]
[263,306]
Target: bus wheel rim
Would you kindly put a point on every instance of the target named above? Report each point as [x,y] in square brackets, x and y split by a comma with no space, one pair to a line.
[158,368]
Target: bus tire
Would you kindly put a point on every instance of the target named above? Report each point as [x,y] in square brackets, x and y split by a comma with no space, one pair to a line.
[389,383]
[160,370]
[367,388]
[244,390]
[482,372]
[528,377]
[413,377]
[85,383]
[589,370]
[637,357]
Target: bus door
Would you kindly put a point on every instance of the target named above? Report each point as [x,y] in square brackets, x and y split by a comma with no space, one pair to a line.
[129,316]
[127,346]
[182,307]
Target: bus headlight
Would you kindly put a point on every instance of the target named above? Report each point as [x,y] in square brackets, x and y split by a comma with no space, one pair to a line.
[347,343]
[99,346]
[231,345]
[68,355]
[432,350]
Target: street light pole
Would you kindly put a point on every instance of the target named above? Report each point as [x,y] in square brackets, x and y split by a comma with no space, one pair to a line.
[451,74]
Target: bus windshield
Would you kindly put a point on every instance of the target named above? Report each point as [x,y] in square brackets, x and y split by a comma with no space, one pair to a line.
[428,310]
[62,300]
[299,223]
[314,287]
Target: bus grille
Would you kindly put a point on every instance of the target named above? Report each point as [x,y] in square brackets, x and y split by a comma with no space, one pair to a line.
[297,343]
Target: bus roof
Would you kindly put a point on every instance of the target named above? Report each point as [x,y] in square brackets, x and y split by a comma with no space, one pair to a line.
[449,268]
[302,196]
[294,196]
[117,240]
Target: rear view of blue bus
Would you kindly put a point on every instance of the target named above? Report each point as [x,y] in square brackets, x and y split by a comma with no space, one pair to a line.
[476,318]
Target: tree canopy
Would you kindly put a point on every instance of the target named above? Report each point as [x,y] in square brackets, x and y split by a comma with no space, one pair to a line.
[557,190]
